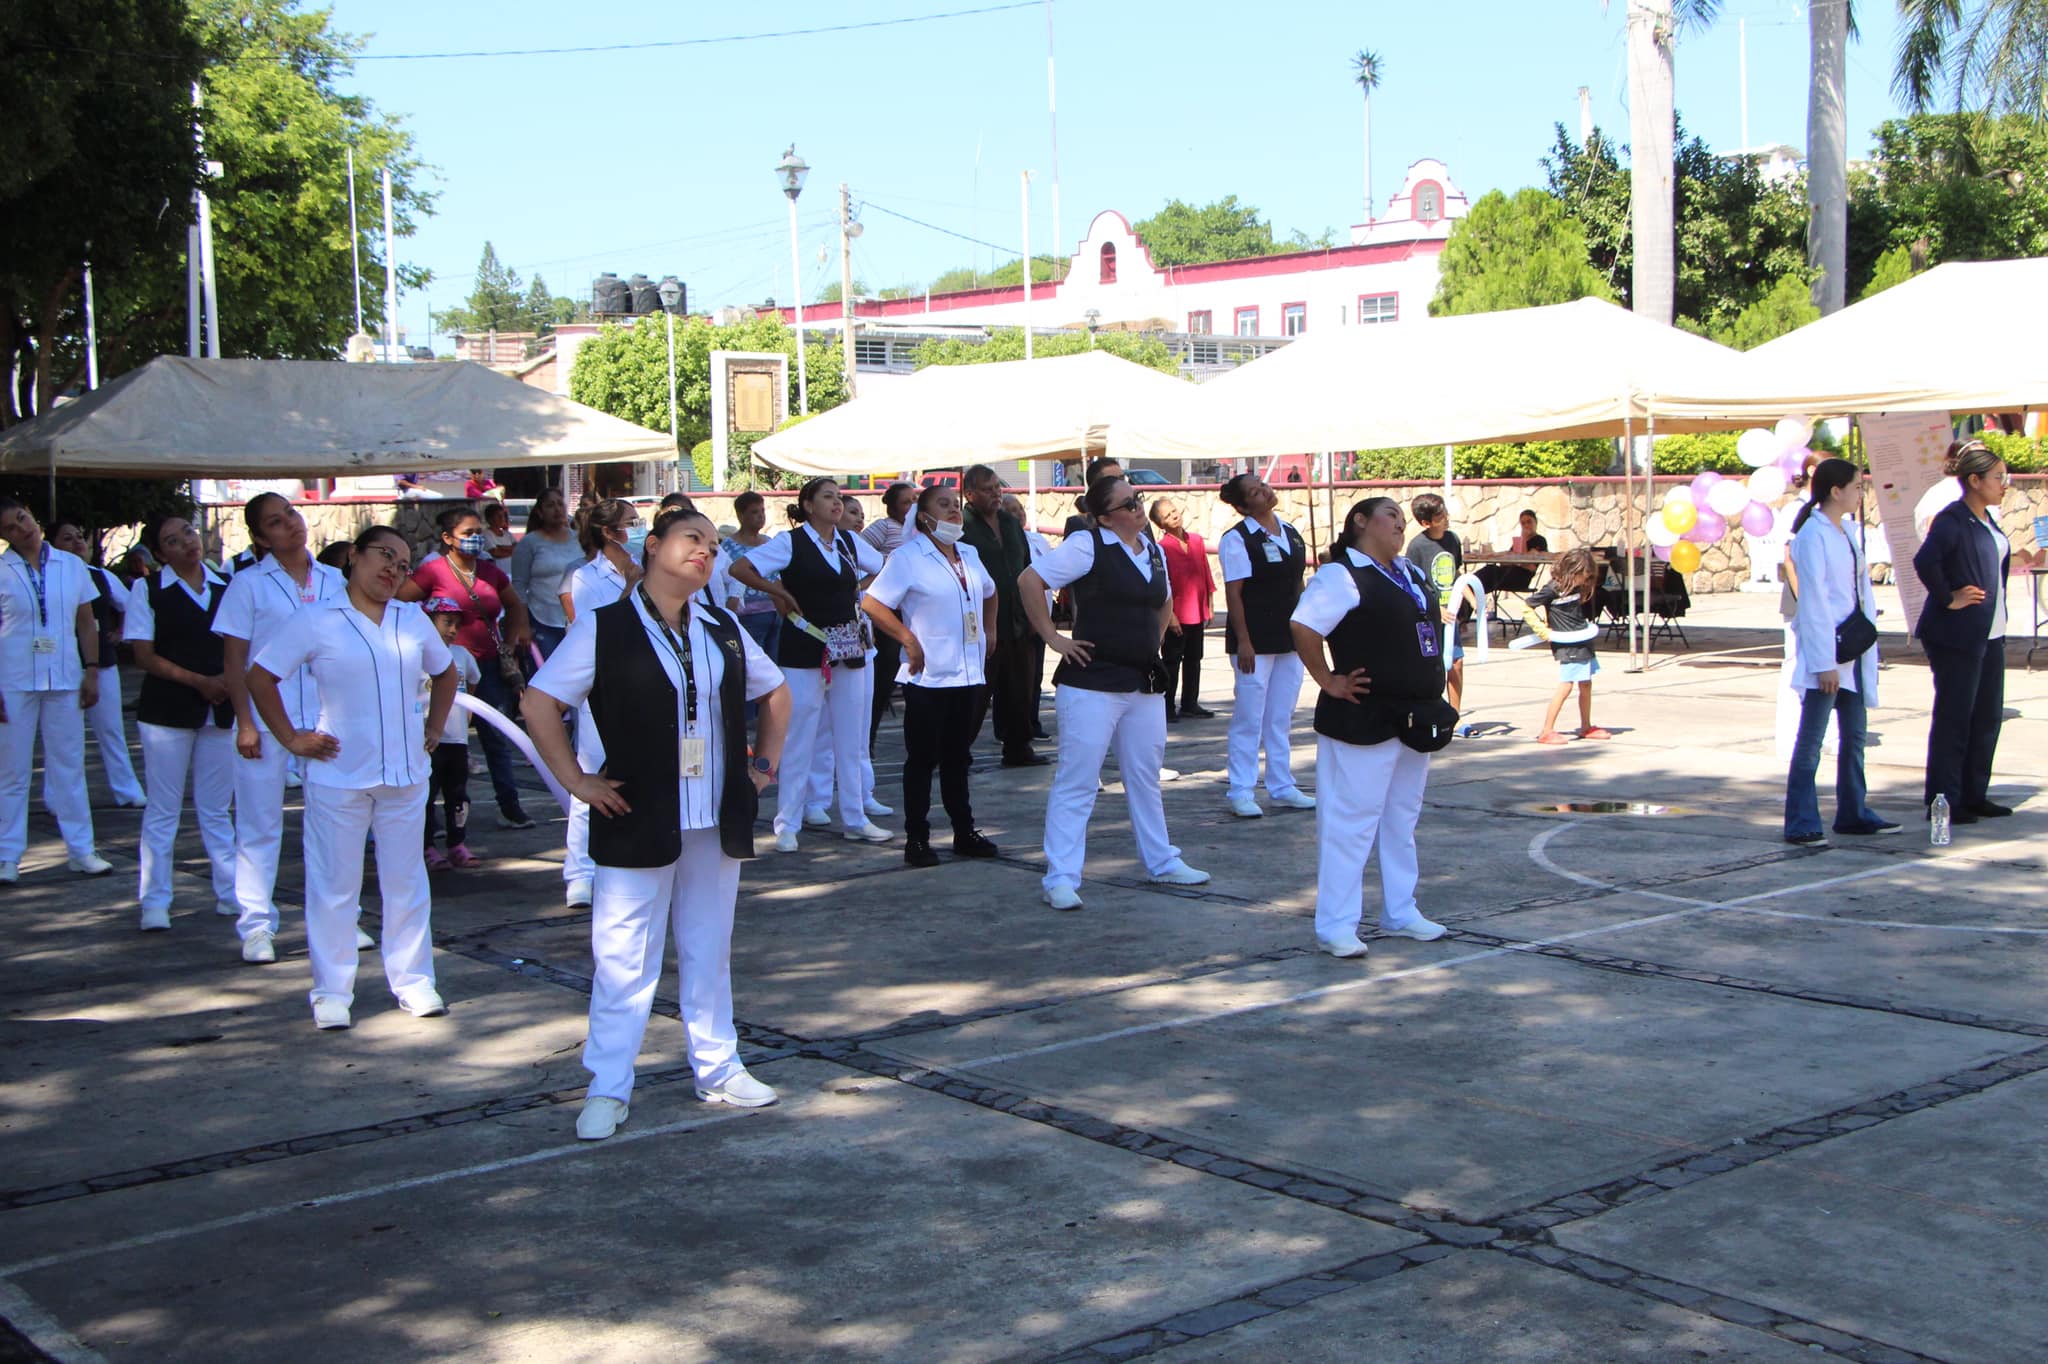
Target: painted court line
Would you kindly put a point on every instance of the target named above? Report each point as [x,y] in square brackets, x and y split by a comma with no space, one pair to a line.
[242,1219]
[44,1331]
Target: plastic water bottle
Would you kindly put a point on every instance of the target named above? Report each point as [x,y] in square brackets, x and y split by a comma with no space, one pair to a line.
[1937,823]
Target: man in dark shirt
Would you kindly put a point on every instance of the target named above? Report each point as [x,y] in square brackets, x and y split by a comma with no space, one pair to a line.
[1438,554]
[998,538]
[1100,467]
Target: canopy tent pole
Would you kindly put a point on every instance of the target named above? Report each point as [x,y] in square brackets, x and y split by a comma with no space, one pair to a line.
[1628,537]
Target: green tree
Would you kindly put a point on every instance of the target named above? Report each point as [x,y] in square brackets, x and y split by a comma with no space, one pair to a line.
[1182,234]
[830,293]
[1007,343]
[1992,53]
[1951,187]
[1787,307]
[495,302]
[1522,252]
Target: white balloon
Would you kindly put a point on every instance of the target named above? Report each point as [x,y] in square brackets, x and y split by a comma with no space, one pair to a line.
[1757,447]
[1659,533]
[1728,497]
[1794,432]
[1767,484]
[1681,493]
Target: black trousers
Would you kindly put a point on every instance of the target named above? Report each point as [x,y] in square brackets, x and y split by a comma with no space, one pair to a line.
[448,777]
[1182,654]
[938,725]
[888,657]
[1009,694]
[1969,708]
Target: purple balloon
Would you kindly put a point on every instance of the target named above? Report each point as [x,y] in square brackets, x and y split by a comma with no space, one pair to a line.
[1700,484]
[1663,552]
[1793,462]
[1757,519]
[1710,527]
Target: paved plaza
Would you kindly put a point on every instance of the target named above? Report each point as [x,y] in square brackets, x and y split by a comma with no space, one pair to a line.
[1668,1089]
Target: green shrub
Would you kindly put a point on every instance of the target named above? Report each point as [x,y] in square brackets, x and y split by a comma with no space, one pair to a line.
[2021,454]
[1697,454]
[1532,459]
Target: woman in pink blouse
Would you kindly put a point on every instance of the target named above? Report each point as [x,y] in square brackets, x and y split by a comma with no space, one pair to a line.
[1187,572]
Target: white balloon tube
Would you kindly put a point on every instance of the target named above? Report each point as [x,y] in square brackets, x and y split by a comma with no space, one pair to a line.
[495,718]
[1469,585]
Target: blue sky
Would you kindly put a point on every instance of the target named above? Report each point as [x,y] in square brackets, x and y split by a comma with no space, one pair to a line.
[660,160]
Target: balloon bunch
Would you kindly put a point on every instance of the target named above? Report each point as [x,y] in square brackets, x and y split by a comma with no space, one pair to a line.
[1703,512]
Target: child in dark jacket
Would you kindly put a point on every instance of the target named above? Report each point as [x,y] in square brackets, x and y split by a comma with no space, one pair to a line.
[1566,622]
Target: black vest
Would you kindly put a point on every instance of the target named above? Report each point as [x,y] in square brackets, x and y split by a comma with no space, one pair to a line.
[184,636]
[1380,635]
[1271,592]
[1121,609]
[105,613]
[637,714]
[825,598]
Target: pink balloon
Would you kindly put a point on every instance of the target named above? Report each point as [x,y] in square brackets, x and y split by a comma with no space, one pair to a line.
[1793,462]
[1700,486]
[1757,519]
[1663,552]
[1710,527]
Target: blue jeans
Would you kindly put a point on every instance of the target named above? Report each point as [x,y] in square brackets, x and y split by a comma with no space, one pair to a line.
[548,638]
[766,628]
[1852,805]
[492,691]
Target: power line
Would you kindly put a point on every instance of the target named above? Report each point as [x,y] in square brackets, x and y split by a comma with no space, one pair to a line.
[869,203]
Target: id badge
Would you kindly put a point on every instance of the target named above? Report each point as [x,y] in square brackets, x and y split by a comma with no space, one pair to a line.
[690,756]
[45,644]
[1274,554]
[1426,636]
[973,626]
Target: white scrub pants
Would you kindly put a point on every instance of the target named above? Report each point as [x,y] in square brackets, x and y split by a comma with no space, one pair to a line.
[1261,715]
[1366,793]
[338,822]
[830,716]
[629,923]
[56,716]
[825,758]
[576,863]
[168,753]
[1092,723]
[259,832]
[111,734]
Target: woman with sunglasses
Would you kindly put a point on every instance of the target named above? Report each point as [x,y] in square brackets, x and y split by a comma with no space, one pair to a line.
[384,683]
[1963,563]
[1109,689]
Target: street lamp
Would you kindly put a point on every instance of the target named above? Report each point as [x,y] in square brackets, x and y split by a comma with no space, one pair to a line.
[1094,319]
[791,173]
[671,293]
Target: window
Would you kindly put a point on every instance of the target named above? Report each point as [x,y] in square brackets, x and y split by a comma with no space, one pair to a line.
[1108,275]
[1429,202]
[1200,324]
[1293,319]
[1245,322]
[1378,308]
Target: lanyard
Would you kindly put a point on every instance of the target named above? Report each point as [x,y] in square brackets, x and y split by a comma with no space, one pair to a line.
[1405,583]
[681,649]
[39,579]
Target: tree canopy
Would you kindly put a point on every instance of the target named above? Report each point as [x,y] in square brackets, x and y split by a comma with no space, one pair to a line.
[1007,343]
[1523,252]
[1950,187]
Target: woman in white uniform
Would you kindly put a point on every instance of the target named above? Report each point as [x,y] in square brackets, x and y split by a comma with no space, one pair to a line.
[935,599]
[1380,715]
[384,683]
[105,720]
[817,808]
[821,654]
[1262,558]
[258,603]
[1109,690]
[610,536]
[49,678]
[667,678]
[183,716]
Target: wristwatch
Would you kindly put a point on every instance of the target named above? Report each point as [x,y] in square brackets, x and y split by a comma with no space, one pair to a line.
[764,767]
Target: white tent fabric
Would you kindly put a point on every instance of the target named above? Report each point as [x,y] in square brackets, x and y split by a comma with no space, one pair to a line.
[1963,337]
[177,417]
[951,415]
[1574,370]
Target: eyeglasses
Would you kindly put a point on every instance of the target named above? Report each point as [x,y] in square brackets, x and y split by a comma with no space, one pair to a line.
[1130,504]
[404,562]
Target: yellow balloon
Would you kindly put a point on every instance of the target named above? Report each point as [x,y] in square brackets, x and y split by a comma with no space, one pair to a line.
[1680,517]
[1685,556]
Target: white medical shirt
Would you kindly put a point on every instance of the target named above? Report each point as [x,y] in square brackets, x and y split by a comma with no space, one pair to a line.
[372,682]
[771,558]
[570,674]
[259,601]
[1076,555]
[595,584]
[140,621]
[27,615]
[919,585]
[1230,551]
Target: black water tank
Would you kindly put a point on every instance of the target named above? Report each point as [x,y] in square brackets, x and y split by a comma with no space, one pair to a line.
[608,294]
[646,295]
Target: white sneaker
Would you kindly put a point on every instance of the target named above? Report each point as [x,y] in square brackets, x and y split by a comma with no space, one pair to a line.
[330,1014]
[227,909]
[875,807]
[739,1089]
[580,893]
[259,949]
[1294,800]
[424,1002]
[1179,873]
[786,841]
[155,920]
[1245,807]
[600,1118]
[1062,897]
[91,864]
[10,872]
[817,819]
[869,833]
[1346,946]
[1169,774]
[1418,928]
[364,941]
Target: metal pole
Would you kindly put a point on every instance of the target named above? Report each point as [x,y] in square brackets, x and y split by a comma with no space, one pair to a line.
[846,286]
[796,284]
[390,278]
[1052,113]
[355,257]
[1027,277]
[1628,539]
[1742,68]
[92,338]
[673,438]
[193,303]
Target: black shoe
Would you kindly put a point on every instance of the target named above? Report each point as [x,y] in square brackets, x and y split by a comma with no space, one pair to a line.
[1963,816]
[1038,732]
[513,817]
[1807,840]
[918,853]
[973,843]
[1172,716]
[1025,759]
[1883,826]
[1198,712]
[1988,808]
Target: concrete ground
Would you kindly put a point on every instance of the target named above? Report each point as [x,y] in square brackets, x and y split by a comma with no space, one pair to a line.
[1669,1088]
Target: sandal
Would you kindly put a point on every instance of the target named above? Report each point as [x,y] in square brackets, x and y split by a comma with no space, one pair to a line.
[1595,733]
[1551,736]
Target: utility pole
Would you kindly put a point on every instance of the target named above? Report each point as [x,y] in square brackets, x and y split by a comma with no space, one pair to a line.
[390,278]
[201,299]
[355,258]
[848,229]
[1052,114]
[1027,265]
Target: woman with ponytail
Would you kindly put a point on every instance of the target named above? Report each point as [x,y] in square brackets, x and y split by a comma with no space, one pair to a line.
[1834,673]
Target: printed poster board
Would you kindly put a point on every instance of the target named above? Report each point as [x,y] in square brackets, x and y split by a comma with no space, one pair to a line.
[1907,451]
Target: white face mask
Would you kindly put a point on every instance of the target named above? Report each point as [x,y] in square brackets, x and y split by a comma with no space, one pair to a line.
[947,532]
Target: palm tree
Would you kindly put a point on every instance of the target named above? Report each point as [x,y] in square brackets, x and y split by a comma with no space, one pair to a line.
[1830,24]
[1366,69]
[1993,53]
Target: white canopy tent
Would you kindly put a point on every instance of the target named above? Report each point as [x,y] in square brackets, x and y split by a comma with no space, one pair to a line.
[948,415]
[184,418]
